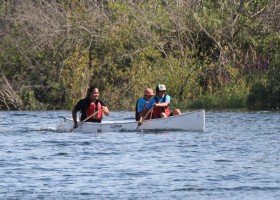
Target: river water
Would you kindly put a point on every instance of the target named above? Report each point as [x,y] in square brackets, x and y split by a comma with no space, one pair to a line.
[236,157]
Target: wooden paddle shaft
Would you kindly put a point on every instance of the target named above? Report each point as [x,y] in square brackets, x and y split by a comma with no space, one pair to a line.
[85,119]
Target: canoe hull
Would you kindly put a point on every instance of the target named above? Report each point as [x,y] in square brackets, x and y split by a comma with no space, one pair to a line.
[190,121]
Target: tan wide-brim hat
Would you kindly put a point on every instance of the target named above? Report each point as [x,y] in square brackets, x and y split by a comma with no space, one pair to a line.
[149,92]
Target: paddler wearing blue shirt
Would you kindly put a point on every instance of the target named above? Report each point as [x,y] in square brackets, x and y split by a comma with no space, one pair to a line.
[142,102]
[160,105]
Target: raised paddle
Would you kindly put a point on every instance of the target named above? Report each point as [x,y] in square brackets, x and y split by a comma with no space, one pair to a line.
[85,120]
[145,117]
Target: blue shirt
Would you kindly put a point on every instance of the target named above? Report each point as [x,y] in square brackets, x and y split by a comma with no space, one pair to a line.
[160,100]
[141,104]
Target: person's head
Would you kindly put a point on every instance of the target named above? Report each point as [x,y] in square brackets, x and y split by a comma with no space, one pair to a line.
[93,92]
[148,93]
[160,90]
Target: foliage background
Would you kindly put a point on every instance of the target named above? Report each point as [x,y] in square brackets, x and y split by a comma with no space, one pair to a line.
[209,54]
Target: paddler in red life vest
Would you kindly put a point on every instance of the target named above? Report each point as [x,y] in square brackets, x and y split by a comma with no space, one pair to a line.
[91,107]
[160,104]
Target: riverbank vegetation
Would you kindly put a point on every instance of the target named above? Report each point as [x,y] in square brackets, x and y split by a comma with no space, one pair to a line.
[209,54]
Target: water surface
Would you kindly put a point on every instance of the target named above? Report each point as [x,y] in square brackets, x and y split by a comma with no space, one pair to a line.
[236,157]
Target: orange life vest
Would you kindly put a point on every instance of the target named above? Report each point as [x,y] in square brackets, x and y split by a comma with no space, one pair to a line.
[158,110]
[94,108]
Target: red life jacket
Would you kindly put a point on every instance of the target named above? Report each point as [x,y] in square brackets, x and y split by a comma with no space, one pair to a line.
[158,110]
[94,108]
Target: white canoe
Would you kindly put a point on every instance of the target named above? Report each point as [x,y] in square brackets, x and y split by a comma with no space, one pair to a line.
[189,121]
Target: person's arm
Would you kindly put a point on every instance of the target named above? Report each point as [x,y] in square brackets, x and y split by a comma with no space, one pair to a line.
[146,109]
[141,116]
[164,104]
[141,104]
[140,122]
[78,107]
[74,116]
[105,110]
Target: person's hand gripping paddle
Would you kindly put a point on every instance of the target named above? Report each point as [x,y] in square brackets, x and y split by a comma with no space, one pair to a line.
[140,123]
